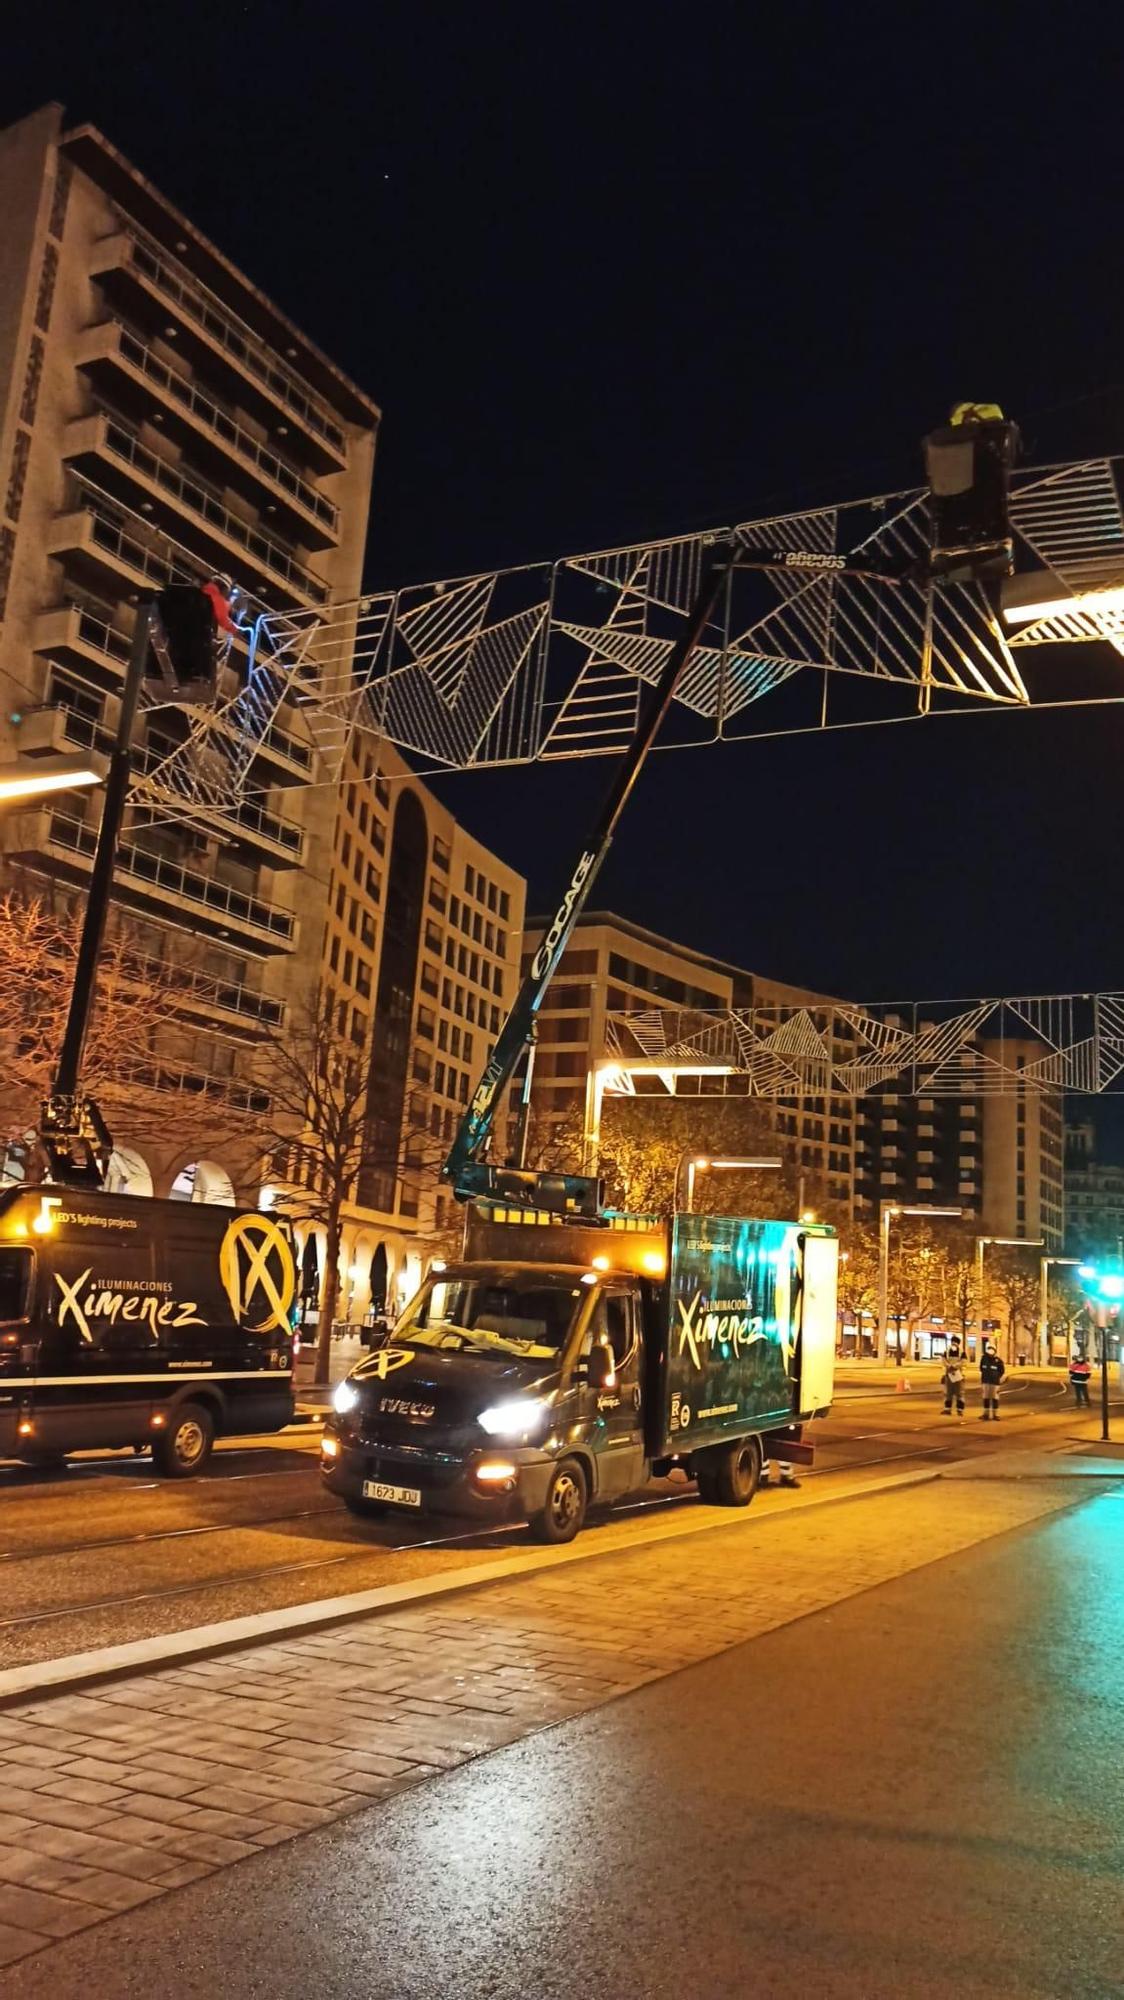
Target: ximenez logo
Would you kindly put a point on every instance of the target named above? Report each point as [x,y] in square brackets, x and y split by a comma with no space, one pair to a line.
[724,1322]
[117,1298]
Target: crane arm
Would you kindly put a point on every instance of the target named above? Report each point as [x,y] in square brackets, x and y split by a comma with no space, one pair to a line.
[469,1175]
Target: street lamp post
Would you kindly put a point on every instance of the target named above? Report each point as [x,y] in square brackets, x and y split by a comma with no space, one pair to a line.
[1010,1242]
[1044,1305]
[886,1214]
[695,1164]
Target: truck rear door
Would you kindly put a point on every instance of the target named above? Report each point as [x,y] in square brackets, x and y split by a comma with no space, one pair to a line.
[817,1323]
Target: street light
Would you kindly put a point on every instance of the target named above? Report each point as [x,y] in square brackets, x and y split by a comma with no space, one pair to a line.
[886,1213]
[698,1165]
[1044,1302]
[53,774]
[1009,1242]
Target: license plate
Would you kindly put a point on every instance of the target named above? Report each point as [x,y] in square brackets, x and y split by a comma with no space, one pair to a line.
[399,1496]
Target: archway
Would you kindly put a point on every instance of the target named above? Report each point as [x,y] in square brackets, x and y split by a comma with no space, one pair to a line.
[204,1180]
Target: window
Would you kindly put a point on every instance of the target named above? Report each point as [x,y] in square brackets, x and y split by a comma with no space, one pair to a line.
[429,980]
[462,1087]
[442,1034]
[441,855]
[489,937]
[439,1078]
[477,927]
[425,1022]
[341,901]
[505,909]
[348,968]
[15,1283]
[423,1068]
[470,1006]
[455,1041]
[432,935]
[345,850]
[374,881]
[364,816]
[363,979]
[469,879]
[492,898]
[446,992]
[454,909]
[382,791]
[462,959]
[450,952]
[367,930]
[437,896]
[466,1048]
[334,955]
[495,1020]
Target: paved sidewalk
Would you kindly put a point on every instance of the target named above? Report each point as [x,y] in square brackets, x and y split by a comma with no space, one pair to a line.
[111,1798]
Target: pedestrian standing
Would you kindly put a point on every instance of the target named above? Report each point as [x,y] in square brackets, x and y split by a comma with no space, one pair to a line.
[992,1372]
[952,1382]
[1080,1370]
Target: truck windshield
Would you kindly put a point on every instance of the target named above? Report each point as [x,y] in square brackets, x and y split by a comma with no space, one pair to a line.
[498,1312]
[15,1283]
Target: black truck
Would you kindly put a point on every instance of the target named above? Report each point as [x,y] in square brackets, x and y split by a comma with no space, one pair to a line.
[126,1321]
[560,1364]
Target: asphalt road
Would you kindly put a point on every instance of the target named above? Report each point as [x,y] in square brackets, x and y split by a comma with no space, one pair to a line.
[108,1553]
[918,1792]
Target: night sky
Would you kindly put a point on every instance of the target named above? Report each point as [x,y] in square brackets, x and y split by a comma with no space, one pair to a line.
[618,272]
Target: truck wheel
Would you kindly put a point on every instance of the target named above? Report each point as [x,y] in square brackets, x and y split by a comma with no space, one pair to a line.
[567,1496]
[184,1447]
[736,1471]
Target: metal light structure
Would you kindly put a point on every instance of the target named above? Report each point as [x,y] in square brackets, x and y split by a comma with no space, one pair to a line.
[697,1164]
[886,1213]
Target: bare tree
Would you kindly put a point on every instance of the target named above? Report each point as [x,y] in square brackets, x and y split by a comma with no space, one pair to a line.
[147,1091]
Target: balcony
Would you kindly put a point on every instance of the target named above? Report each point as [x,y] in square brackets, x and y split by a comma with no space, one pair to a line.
[78,638]
[112,455]
[153,290]
[127,370]
[152,882]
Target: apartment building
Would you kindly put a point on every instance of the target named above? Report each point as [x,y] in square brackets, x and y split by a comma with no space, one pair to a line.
[999,1159]
[421,961]
[161,419]
[1094,1195]
[611,966]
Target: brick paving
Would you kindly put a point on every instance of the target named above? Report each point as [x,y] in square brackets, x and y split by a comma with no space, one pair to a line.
[112,1797]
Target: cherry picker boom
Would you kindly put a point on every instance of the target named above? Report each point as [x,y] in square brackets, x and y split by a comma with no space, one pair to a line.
[968,464]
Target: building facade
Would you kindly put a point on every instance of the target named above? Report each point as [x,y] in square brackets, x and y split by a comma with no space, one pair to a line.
[1094,1196]
[161,420]
[420,964]
[613,966]
[999,1159]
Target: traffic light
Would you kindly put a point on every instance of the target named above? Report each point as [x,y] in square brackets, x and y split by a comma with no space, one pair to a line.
[184,643]
[968,463]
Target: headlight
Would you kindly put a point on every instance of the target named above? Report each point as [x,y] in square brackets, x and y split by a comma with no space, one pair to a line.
[511,1420]
[345,1395]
